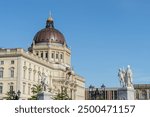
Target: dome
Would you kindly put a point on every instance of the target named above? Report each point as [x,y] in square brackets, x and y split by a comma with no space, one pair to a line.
[49,34]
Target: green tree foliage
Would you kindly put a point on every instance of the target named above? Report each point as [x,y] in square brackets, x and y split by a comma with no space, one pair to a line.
[8,96]
[11,95]
[36,89]
[62,96]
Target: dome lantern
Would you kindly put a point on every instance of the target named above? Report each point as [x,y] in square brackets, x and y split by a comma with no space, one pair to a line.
[50,23]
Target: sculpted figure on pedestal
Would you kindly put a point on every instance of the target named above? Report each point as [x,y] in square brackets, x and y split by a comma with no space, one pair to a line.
[125,77]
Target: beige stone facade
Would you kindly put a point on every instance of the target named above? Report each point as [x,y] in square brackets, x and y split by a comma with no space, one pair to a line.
[20,69]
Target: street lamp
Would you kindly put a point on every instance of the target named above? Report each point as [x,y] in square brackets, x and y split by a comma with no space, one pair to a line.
[103,89]
[97,94]
[91,92]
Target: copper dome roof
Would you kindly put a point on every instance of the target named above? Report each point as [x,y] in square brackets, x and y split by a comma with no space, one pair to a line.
[49,34]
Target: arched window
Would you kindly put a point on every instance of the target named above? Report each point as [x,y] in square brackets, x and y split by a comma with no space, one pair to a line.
[1,88]
[1,72]
[12,72]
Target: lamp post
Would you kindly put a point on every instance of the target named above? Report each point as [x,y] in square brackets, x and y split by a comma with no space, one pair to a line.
[91,92]
[103,89]
[97,94]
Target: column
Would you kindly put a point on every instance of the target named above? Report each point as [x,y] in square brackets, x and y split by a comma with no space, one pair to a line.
[147,91]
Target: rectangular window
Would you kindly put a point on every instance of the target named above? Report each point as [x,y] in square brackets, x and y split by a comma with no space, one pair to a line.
[1,62]
[37,53]
[1,89]
[1,73]
[11,88]
[24,89]
[34,76]
[46,54]
[56,56]
[24,74]
[61,56]
[41,54]
[115,93]
[29,75]
[52,55]
[12,73]
[29,87]
[12,62]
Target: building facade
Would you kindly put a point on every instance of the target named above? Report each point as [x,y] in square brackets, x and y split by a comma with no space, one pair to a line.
[48,57]
[142,92]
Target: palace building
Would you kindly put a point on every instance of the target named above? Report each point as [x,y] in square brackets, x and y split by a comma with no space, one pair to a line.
[47,57]
[142,92]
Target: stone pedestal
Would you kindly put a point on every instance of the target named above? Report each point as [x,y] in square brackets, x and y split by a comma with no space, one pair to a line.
[45,96]
[126,93]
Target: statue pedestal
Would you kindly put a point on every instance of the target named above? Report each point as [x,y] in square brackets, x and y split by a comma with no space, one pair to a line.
[126,93]
[45,96]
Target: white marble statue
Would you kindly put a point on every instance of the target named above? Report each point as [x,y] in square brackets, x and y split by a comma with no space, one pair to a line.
[125,77]
[44,83]
[121,77]
[129,77]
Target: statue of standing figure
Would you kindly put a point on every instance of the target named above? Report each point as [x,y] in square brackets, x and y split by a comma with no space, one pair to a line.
[44,84]
[125,77]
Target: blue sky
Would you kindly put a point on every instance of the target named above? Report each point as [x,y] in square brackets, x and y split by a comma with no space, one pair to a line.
[104,35]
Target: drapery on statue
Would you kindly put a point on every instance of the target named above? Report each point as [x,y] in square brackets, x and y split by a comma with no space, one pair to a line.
[125,77]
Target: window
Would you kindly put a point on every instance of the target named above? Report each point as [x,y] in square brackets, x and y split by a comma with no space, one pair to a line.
[1,62]
[24,73]
[34,73]
[12,62]
[37,53]
[115,94]
[61,56]
[52,55]
[144,95]
[29,87]
[46,54]
[29,75]
[41,54]
[12,72]
[11,88]
[1,88]
[24,86]
[56,56]
[1,72]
